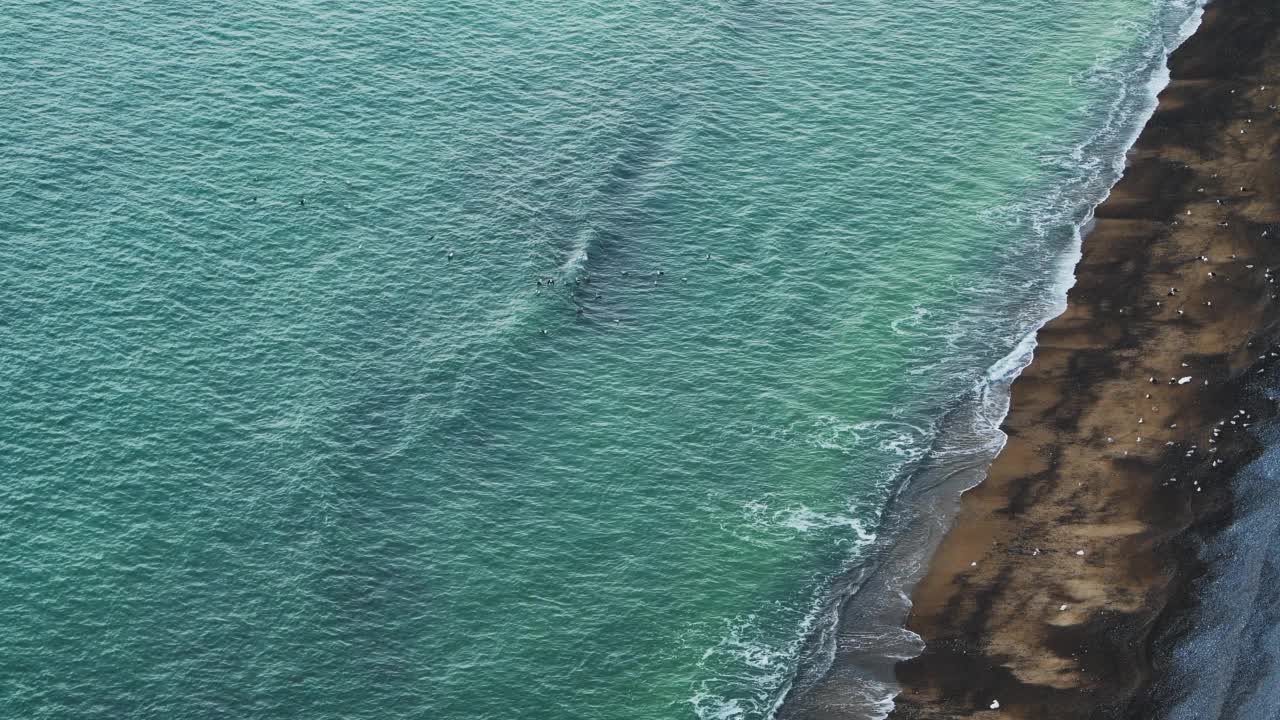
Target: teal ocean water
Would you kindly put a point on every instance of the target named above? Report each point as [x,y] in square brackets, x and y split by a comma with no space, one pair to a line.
[504,360]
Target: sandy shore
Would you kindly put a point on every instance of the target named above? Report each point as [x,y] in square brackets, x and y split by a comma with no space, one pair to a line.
[1069,567]
[1068,570]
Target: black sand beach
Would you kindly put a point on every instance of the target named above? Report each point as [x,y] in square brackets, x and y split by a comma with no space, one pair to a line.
[1070,571]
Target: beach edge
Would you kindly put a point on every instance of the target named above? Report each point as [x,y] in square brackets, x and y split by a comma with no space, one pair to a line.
[1069,573]
[1066,577]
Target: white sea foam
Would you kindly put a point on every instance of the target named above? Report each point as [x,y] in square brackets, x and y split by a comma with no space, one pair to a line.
[708,706]
[771,664]
[910,325]
[802,519]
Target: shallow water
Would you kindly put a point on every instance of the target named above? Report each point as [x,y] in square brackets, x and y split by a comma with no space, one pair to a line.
[273,452]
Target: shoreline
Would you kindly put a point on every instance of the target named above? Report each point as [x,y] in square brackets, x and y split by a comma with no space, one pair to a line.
[1069,572]
[1085,531]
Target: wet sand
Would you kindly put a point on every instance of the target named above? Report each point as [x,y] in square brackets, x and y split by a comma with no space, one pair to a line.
[1069,569]
[1068,572]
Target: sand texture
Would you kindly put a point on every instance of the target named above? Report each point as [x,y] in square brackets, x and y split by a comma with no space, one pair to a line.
[1073,558]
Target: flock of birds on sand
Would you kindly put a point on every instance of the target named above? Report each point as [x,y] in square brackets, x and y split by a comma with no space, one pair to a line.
[1185,458]
[1242,418]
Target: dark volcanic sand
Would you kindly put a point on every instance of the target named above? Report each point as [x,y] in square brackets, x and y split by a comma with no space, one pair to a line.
[1068,569]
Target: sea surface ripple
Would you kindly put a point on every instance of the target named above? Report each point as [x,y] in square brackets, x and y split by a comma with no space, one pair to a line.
[501,360]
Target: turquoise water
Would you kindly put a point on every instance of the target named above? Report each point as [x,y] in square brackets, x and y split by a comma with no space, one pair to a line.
[297,426]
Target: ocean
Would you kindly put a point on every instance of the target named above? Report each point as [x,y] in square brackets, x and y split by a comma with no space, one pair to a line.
[496,360]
